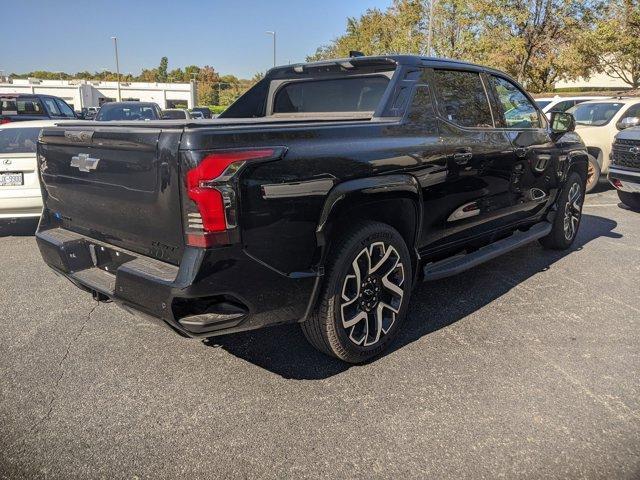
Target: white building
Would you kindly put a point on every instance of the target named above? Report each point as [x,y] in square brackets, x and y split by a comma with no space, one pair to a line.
[92,93]
[597,80]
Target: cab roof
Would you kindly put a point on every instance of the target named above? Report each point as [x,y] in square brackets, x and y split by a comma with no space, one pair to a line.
[378,60]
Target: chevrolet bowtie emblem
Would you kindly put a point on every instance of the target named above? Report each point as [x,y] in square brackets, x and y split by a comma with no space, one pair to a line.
[84,162]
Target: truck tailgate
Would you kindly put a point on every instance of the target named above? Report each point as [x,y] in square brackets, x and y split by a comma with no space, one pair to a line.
[116,184]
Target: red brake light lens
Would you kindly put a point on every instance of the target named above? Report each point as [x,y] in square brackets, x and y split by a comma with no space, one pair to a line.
[210,187]
[4,120]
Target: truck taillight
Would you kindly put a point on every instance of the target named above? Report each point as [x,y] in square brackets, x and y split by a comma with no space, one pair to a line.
[4,120]
[211,186]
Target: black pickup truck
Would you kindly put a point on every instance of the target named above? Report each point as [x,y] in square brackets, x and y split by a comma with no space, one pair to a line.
[322,196]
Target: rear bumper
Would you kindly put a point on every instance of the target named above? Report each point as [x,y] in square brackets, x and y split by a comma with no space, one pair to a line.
[212,292]
[625,180]
[15,206]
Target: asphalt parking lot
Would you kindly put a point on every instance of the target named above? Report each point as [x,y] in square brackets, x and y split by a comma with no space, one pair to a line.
[525,367]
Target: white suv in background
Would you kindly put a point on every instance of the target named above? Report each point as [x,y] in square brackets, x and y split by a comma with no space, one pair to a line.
[598,122]
[20,194]
[562,104]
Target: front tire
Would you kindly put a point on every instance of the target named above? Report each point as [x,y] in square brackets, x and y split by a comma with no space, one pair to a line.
[630,199]
[567,220]
[365,295]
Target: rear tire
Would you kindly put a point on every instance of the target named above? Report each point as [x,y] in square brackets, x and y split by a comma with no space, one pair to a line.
[365,294]
[593,174]
[567,220]
[630,199]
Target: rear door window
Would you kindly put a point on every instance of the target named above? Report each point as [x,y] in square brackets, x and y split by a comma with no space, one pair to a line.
[21,106]
[359,94]
[462,98]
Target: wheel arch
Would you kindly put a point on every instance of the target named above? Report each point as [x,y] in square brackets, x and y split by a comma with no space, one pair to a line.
[597,153]
[578,162]
[391,199]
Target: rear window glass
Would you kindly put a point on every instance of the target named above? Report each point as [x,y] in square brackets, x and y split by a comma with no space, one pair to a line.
[126,112]
[359,94]
[173,115]
[543,103]
[21,106]
[18,140]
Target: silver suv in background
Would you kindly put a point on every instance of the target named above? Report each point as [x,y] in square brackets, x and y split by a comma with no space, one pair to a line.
[624,172]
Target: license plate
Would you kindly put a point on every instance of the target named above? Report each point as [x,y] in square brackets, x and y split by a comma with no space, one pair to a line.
[11,179]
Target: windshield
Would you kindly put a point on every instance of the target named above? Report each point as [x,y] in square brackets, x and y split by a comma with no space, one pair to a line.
[19,140]
[543,103]
[596,114]
[126,112]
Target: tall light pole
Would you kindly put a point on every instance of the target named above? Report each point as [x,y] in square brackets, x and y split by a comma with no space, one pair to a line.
[115,45]
[274,46]
[430,32]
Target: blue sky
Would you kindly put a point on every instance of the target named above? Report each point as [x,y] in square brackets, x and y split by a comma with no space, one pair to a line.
[74,35]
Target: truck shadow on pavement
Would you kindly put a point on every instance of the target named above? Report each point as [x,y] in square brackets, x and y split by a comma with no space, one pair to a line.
[434,305]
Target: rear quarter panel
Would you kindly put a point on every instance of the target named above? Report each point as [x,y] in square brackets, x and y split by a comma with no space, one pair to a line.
[281,201]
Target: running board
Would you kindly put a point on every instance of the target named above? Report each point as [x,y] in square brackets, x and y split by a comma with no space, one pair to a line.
[458,264]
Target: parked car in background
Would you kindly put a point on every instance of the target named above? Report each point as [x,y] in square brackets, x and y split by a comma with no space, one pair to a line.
[206,112]
[17,107]
[322,201]
[113,111]
[196,114]
[624,171]
[598,122]
[176,114]
[562,104]
[20,194]
[90,113]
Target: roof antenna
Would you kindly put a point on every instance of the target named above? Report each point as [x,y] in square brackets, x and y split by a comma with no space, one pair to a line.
[355,53]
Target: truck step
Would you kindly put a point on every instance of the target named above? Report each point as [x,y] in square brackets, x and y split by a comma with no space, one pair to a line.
[458,264]
[97,279]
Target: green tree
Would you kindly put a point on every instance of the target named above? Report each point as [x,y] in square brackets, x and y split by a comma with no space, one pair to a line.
[207,90]
[148,75]
[612,46]
[162,70]
[399,29]
[456,29]
[530,39]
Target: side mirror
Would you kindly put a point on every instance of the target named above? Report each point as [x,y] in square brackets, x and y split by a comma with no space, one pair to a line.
[562,122]
[628,122]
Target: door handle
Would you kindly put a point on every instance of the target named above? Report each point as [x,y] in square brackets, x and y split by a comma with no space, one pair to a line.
[463,157]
